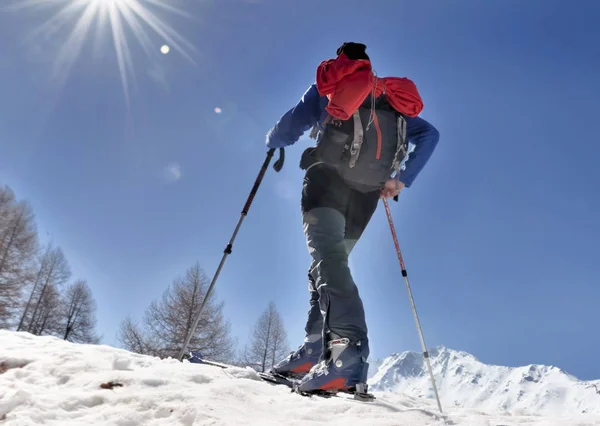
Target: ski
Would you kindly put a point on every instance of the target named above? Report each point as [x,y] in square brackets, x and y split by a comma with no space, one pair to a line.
[277,379]
[216,364]
[195,357]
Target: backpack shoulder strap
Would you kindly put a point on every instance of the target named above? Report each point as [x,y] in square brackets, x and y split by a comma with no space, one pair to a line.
[357,141]
[401,145]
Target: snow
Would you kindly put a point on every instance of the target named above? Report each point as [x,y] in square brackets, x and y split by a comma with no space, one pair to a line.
[47,381]
[464,381]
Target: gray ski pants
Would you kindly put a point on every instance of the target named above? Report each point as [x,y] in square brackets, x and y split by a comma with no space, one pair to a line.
[334,218]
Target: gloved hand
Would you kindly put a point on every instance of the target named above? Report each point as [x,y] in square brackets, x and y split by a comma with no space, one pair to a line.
[353,50]
[273,141]
[392,188]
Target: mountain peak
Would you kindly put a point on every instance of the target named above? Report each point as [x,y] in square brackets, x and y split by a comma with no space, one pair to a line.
[463,380]
[437,352]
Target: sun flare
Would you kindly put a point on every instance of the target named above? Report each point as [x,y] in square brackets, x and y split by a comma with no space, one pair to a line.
[144,19]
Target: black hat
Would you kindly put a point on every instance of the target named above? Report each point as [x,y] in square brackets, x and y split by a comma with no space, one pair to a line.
[353,50]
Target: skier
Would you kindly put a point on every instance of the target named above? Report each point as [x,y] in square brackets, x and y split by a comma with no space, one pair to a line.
[362,125]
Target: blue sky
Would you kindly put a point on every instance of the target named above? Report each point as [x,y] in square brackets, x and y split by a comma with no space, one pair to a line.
[499,232]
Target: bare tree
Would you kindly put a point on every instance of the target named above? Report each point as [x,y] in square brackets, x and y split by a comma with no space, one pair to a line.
[78,322]
[167,321]
[37,283]
[18,242]
[279,345]
[52,272]
[269,340]
[7,197]
[47,317]
[134,338]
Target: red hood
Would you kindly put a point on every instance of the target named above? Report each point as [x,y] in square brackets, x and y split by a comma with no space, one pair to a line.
[348,82]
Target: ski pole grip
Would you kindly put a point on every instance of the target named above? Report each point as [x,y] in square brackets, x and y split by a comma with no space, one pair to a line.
[279,163]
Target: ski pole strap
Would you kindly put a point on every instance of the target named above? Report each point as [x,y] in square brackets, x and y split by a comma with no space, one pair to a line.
[279,163]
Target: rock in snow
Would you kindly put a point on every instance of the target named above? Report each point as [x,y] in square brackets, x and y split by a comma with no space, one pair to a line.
[47,381]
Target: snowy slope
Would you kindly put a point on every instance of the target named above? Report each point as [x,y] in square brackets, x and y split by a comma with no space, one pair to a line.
[46,381]
[464,381]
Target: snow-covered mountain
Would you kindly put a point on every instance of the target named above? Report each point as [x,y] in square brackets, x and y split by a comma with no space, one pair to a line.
[464,381]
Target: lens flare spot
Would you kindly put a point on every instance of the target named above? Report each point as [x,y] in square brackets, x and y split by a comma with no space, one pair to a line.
[218,110]
[165,49]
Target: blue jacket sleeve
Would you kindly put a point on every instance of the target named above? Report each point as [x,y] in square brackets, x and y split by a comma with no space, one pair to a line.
[424,137]
[296,121]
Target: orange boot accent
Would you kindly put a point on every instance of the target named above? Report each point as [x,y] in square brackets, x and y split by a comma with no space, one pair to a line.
[304,368]
[335,384]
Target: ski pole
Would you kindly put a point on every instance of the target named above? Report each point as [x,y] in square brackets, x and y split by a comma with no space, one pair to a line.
[277,166]
[412,302]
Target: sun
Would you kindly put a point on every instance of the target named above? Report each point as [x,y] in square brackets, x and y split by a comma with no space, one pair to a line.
[142,18]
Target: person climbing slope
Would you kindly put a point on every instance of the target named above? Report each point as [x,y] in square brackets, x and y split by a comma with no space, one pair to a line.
[363,126]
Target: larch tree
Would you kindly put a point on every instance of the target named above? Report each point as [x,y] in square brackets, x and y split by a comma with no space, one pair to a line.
[78,314]
[269,340]
[47,317]
[169,319]
[134,338]
[52,272]
[18,243]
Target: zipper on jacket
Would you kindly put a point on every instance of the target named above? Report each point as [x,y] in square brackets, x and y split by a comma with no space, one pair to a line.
[378,130]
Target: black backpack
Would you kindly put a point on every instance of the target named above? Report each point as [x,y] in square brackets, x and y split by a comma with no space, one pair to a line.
[366,149]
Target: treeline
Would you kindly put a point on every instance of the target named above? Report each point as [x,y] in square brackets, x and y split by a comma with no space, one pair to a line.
[37,293]
[162,329]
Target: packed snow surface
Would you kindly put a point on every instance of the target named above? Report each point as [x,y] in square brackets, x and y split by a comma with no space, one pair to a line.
[46,381]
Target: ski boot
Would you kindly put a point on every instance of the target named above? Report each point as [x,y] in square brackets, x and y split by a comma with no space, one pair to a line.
[344,370]
[299,362]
